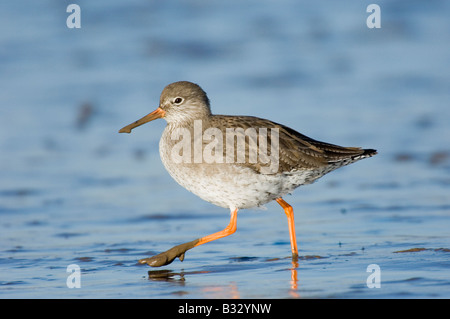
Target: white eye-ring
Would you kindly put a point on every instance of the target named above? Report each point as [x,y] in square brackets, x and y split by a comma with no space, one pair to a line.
[178,100]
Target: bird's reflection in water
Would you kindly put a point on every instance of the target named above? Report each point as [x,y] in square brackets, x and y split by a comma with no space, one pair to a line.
[165,275]
[294,276]
[212,291]
[293,283]
[228,291]
[294,280]
[171,276]
[231,290]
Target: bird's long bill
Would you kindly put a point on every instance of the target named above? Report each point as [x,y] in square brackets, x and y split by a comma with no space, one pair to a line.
[156,114]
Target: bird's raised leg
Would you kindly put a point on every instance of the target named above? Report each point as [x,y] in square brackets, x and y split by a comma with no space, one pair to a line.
[290,216]
[168,256]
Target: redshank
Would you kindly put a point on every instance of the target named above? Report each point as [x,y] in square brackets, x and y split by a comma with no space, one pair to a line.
[225,159]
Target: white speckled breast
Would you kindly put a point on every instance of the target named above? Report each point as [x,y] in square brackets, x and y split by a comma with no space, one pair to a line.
[229,185]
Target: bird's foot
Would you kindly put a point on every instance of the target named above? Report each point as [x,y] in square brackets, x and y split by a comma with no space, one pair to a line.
[168,256]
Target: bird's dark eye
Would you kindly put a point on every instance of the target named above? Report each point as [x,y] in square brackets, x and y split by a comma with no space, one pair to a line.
[178,100]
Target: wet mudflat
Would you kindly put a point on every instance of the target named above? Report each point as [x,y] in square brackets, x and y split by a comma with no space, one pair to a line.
[75,192]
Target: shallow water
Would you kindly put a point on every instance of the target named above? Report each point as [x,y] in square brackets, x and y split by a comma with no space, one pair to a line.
[74,191]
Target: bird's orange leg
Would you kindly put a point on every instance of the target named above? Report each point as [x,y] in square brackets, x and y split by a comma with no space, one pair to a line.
[230,229]
[168,256]
[290,216]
